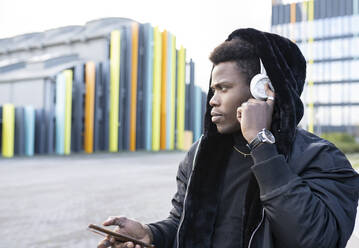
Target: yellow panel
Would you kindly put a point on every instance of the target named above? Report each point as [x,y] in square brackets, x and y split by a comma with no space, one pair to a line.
[173,93]
[156,109]
[164,90]
[68,110]
[114,89]
[181,96]
[134,86]
[89,106]
[8,130]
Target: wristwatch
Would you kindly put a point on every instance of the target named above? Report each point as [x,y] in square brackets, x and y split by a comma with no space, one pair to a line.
[264,136]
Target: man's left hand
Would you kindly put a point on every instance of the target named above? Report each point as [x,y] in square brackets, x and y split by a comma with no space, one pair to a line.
[254,115]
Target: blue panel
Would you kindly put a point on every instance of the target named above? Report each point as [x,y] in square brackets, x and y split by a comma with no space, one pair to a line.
[60,113]
[148,72]
[29,130]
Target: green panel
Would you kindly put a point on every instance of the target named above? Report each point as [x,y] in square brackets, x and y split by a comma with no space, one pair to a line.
[68,110]
[8,130]
[156,110]
[181,96]
[114,89]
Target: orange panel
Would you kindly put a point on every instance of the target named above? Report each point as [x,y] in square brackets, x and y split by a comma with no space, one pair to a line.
[292,13]
[134,86]
[89,106]
[163,91]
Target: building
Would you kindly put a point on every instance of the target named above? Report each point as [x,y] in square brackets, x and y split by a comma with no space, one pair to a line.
[327,32]
[111,85]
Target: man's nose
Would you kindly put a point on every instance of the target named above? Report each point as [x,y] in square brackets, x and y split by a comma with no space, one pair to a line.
[214,101]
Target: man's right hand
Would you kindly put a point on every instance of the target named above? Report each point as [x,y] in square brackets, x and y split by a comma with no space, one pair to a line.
[127,227]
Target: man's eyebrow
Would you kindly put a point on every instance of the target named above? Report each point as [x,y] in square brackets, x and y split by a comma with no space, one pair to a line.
[224,83]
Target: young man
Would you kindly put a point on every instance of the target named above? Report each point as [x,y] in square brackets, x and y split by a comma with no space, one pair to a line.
[287,189]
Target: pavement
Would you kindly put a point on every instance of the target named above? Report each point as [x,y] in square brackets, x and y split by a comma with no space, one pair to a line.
[48,201]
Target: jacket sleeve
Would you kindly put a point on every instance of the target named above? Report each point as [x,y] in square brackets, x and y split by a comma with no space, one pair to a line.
[164,231]
[314,208]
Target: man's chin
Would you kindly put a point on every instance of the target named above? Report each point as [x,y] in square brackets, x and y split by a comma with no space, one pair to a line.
[224,130]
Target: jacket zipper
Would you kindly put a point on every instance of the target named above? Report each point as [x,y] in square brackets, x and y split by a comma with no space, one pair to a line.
[185,196]
[255,230]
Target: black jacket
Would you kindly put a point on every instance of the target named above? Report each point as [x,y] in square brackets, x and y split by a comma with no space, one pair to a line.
[307,200]
[305,195]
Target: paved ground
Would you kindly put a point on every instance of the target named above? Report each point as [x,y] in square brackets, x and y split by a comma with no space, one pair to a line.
[49,201]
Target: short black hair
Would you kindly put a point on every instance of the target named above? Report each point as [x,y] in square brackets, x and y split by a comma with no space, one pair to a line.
[239,51]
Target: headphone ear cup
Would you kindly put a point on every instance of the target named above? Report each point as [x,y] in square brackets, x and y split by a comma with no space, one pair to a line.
[257,86]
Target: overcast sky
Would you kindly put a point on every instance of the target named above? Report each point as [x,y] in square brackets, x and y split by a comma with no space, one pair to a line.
[199,25]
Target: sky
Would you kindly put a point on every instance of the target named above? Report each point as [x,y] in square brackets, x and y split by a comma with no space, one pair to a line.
[199,25]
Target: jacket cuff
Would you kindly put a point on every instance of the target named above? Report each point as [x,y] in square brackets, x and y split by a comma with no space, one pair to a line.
[272,173]
[263,152]
[155,235]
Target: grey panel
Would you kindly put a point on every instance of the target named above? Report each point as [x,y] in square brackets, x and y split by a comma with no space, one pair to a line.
[187,109]
[140,141]
[336,7]
[40,131]
[287,13]
[322,6]
[0,128]
[204,107]
[298,12]
[349,7]
[274,15]
[316,10]
[19,148]
[125,90]
[50,90]
[97,109]
[78,99]
[105,106]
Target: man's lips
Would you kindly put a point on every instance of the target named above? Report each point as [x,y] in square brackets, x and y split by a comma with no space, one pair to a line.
[216,116]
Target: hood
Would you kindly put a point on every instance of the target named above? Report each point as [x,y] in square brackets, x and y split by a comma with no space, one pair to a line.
[286,68]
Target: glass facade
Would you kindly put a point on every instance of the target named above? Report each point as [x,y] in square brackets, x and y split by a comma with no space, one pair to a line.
[327,33]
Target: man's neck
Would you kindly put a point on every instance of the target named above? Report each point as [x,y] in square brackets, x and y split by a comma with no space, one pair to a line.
[238,139]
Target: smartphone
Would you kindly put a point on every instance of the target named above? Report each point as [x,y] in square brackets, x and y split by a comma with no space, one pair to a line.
[120,237]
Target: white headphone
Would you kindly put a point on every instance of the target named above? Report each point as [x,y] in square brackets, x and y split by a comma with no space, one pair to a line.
[258,82]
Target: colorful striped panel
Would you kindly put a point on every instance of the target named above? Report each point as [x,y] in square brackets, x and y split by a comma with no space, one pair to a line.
[60,113]
[164,90]
[68,110]
[149,46]
[134,68]
[114,89]
[156,119]
[8,128]
[89,106]
[181,96]
[29,130]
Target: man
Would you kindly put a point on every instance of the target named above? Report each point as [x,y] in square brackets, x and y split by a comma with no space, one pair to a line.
[293,190]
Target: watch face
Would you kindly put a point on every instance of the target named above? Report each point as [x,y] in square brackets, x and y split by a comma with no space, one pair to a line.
[268,136]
